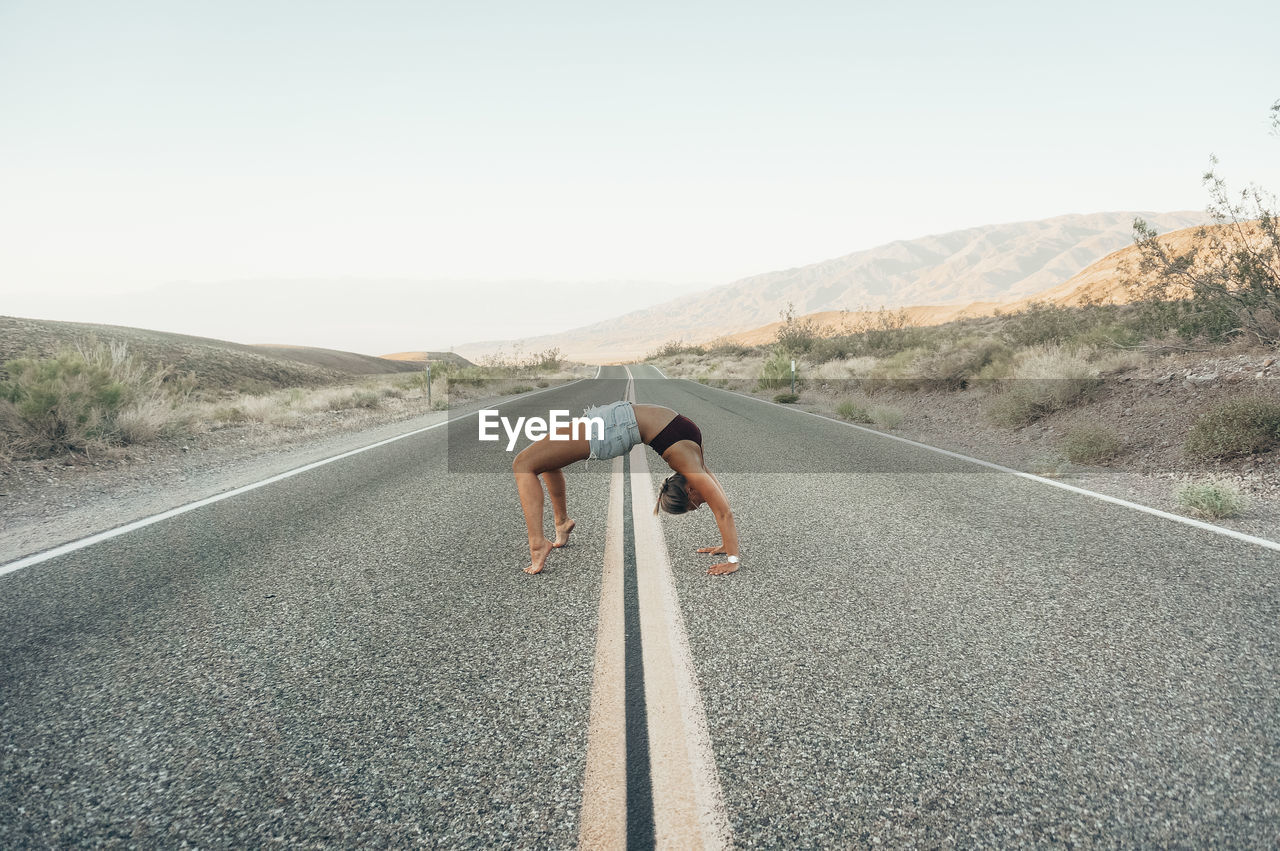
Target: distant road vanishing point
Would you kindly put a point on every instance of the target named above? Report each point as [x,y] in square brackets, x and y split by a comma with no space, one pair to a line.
[918,650]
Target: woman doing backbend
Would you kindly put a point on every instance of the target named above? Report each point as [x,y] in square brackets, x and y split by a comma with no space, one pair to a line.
[674,437]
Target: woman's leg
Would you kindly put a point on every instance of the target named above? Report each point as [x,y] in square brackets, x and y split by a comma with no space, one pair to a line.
[543,456]
[554,480]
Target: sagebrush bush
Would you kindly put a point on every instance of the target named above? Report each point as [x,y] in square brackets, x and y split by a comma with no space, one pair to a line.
[1043,323]
[144,421]
[1090,444]
[786,398]
[363,399]
[1018,405]
[674,348]
[853,412]
[727,348]
[1213,499]
[1235,427]
[1044,379]
[959,362]
[886,416]
[74,400]
[899,367]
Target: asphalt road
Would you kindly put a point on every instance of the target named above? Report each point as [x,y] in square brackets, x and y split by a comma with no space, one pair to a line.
[949,655]
[916,652]
[350,656]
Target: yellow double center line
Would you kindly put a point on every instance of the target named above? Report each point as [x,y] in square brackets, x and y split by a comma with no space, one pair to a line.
[650,778]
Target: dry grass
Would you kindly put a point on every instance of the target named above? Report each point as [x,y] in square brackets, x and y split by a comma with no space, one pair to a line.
[1091,444]
[97,395]
[1236,427]
[843,369]
[1043,379]
[1213,499]
[886,416]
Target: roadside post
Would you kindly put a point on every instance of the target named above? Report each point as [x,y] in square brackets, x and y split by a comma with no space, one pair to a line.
[428,386]
[793,376]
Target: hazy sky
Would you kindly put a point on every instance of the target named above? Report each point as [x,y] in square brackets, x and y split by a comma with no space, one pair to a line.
[144,144]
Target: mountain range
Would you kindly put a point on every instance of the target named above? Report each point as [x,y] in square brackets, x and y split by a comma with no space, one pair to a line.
[993,263]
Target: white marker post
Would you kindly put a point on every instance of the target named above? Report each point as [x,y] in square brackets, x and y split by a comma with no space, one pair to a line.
[793,376]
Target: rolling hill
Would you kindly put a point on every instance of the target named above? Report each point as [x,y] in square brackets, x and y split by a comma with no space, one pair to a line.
[217,364]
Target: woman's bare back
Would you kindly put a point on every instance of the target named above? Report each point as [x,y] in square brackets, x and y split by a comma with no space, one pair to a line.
[652,419]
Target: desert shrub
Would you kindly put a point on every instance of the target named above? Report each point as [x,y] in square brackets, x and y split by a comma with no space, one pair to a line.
[853,412]
[673,348]
[887,332]
[825,349]
[363,399]
[1041,323]
[727,348]
[1235,427]
[1105,335]
[1044,379]
[549,360]
[74,400]
[797,334]
[996,370]
[1017,405]
[786,398]
[1213,499]
[886,416]
[391,393]
[846,368]
[1120,360]
[521,388]
[145,420]
[959,362]
[277,410]
[59,404]
[1090,444]
[900,366]
[1023,402]
[1227,283]
[230,414]
[499,364]
[776,372]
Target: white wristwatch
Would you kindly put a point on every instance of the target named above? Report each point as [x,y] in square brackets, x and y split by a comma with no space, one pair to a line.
[732,559]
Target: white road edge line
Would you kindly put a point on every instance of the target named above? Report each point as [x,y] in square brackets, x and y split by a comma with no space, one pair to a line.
[89,541]
[1177,518]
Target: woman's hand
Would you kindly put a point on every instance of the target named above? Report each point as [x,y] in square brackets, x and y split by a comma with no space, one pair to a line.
[723,567]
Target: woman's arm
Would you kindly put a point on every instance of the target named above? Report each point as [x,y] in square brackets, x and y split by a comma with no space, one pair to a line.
[688,462]
[710,489]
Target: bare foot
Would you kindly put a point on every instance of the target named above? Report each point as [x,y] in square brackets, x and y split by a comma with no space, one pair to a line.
[562,533]
[722,569]
[538,556]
